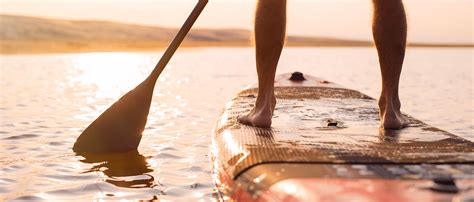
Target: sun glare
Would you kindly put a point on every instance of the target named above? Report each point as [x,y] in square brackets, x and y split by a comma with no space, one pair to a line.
[110,74]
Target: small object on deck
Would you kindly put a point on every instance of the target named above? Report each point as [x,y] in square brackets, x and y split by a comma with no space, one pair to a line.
[331,122]
[325,82]
[297,76]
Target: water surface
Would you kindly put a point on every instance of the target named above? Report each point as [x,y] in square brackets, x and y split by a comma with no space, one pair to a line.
[47,100]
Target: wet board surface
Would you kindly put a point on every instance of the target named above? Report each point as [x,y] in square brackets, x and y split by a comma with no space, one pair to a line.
[321,130]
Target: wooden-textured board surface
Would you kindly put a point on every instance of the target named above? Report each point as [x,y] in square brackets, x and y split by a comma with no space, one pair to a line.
[317,122]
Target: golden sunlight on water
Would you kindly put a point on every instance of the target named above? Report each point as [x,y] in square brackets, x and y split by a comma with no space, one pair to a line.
[47,100]
[110,73]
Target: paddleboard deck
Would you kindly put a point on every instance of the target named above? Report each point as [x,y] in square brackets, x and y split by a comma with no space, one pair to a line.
[325,143]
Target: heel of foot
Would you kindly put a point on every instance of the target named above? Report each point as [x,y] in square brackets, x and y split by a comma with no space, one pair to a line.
[394,121]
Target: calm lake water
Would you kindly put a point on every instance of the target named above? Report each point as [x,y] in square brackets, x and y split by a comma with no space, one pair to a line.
[47,100]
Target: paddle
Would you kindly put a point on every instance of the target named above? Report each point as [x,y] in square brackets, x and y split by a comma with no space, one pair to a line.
[120,127]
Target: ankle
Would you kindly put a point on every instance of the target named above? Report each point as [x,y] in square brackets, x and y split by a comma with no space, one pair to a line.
[389,102]
[265,100]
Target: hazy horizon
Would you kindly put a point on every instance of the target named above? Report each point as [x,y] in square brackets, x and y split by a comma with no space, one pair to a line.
[429,21]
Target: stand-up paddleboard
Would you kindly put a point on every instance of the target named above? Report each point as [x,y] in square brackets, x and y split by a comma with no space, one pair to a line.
[325,144]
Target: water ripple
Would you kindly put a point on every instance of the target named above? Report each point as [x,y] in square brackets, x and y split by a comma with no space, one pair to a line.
[23,136]
[62,94]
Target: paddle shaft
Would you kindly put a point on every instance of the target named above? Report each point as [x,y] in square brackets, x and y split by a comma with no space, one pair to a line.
[178,39]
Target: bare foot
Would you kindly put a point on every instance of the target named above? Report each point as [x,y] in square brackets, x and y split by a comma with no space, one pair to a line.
[261,114]
[393,120]
[390,115]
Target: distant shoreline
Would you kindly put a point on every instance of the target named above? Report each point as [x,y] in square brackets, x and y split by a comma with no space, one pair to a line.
[32,35]
[38,48]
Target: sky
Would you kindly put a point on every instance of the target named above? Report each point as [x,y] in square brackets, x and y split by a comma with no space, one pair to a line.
[444,21]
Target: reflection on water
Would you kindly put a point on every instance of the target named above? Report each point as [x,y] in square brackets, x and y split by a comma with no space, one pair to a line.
[129,170]
[389,136]
[108,73]
[46,101]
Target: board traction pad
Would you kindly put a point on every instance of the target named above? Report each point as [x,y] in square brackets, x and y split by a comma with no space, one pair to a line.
[301,133]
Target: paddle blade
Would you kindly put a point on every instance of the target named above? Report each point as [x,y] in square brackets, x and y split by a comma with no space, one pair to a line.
[120,127]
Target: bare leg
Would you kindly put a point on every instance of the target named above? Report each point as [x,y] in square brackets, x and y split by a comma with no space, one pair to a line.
[390,31]
[270,25]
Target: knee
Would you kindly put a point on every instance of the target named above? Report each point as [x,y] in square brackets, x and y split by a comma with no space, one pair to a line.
[387,3]
[272,3]
[393,8]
